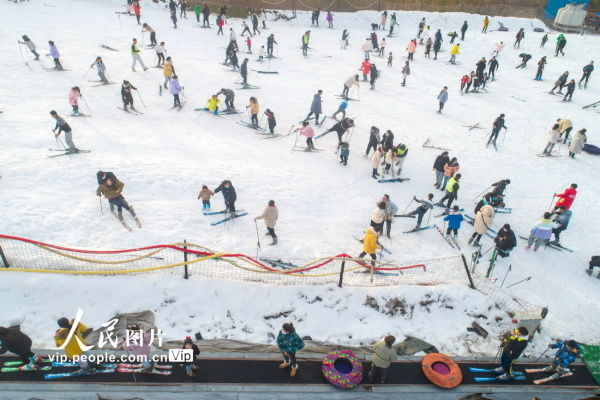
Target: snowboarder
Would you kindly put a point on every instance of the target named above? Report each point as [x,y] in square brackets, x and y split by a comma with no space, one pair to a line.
[254,109]
[454,52]
[270,215]
[405,73]
[175,90]
[352,81]
[271,122]
[512,346]
[307,131]
[72,339]
[463,30]
[341,109]
[483,220]
[126,95]
[566,198]
[383,355]
[390,212]
[570,90]
[520,36]
[540,69]
[544,40]
[579,140]
[587,72]
[438,168]
[31,46]
[373,140]
[341,128]
[505,241]
[562,216]
[160,53]
[244,72]
[205,194]
[229,195]
[373,75]
[135,55]
[553,138]
[229,98]
[486,23]
[370,244]
[62,126]
[454,220]
[14,340]
[451,191]
[541,232]
[112,191]
[148,28]
[561,42]
[194,365]
[425,206]
[493,67]
[498,124]
[101,69]
[289,343]
[315,107]
[442,99]
[74,95]
[344,153]
[55,54]
[524,58]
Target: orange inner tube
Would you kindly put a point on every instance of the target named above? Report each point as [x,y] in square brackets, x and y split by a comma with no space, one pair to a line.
[441,370]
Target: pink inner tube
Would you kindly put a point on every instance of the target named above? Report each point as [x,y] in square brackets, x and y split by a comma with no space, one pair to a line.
[440,368]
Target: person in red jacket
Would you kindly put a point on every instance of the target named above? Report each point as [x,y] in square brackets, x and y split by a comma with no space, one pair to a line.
[137,10]
[566,198]
[463,82]
[366,68]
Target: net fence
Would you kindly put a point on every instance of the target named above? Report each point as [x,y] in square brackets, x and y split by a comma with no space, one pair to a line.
[186,259]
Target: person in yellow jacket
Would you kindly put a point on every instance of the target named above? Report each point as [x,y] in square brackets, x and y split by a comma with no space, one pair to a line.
[254,110]
[370,245]
[213,104]
[454,52]
[486,23]
[168,71]
[73,347]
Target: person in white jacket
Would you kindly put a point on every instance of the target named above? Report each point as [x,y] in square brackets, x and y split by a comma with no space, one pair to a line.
[498,49]
[270,215]
[383,355]
[378,217]
[553,138]
[367,47]
[352,81]
[375,161]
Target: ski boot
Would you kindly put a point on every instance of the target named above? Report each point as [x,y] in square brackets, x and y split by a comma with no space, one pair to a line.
[293,371]
[274,241]
[284,365]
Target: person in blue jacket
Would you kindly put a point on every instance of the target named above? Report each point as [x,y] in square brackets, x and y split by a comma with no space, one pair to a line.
[341,109]
[454,219]
[562,216]
[567,353]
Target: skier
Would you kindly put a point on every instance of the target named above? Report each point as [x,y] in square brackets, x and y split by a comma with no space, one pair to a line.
[463,30]
[505,241]
[270,215]
[74,95]
[499,187]
[382,47]
[112,189]
[495,200]
[17,342]
[454,52]
[520,36]
[341,128]
[101,68]
[428,45]
[135,55]
[305,42]
[126,95]
[344,153]
[261,54]
[421,27]
[411,48]
[425,206]
[454,219]
[220,24]
[553,138]
[378,218]
[175,90]
[450,169]
[540,69]
[524,58]
[254,108]
[570,90]
[367,48]
[453,36]
[249,44]
[498,124]
[244,72]
[562,216]
[307,131]
[205,194]
[270,42]
[289,343]
[344,41]
[229,98]
[168,71]
[72,339]
[232,36]
[451,191]
[483,220]
[137,10]
[271,122]
[587,72]
[438,168]
[373,140]
[493,67]
[205,15]
[366,68]
[341,109]
[541,232]
[560,83]
[376,161]
[246,29]
[390,59]
[141,349]
[561,42]
[148,28]
[544,40]
[55,55]
[486,22]
[594,262]
[229,195]
[373,75]
[566,198]
[62,126]
[370,244]
[392,24]
[512,346]
[160,53]
[442,99]
[194,365]
[374,42]
[352,81]
[31,46]
[383,355]
[565,128]
[405,72]
[315,107]
[390,157]
[390,211]
[197,11]
[579,140]
[255,29]
[470,82]
[329,19]
[567,353]
[314,21]
[498,49]
[463,84]
[437,43]
[212,105]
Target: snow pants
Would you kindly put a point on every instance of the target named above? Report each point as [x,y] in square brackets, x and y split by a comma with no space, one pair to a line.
[439,177]
[290,358]
[137,59]
[374,370]
[121,203]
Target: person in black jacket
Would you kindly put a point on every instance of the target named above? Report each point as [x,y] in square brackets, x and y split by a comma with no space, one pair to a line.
[340,128]
[505,241]
[493,67]
[387,140]
[244,71]
[15,341]
[229,195]
[463,30]
[512,345]
[103,176]
[438,167]
[373,139]
[524,58]
[451,191]
[491,199]
[190,367]
[498,124]
[126,95]
[499,187]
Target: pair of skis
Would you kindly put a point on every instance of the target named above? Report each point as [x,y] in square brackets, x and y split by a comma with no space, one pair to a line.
[516,375]
[131,111]
[451,240]
[126,225]
[65,152]
[421,229]
[393,180]
[231,216]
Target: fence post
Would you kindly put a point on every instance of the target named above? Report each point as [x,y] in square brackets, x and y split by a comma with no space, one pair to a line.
[467,270]
[4,260]
[185,258]
[342,273]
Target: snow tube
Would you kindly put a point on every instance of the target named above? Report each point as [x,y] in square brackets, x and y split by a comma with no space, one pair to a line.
[538,29]
[503,29]
[590,148]
[342,369]
[441,370]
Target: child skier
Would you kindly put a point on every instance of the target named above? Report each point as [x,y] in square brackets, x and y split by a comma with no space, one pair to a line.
[101,68]
[344,153]
[341,109]
[30,45]
[175,90]
[55,55]
[213,104]
[271,120]
[190,367]
[390,59]
[454,219]
[289,343]
[306,130]
[254,109]
[567,353]
[512,346]
[249,44]
[74,95]
[205,194]
[553,138]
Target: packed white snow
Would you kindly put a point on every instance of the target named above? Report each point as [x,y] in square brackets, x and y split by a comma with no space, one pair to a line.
[165,156]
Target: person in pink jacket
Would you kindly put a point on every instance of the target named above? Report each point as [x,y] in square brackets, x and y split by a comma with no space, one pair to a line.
[411,48]
[74,95]
[140,347]
[306,130]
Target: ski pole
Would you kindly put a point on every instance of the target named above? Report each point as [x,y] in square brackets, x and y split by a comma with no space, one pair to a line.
[429,216]
[63,146]
[504,137]
[140,96]
[86,104]
[257,239]
[541,355]
[21,51]
[411,200]
[86,72]
[551,201]
[484,190]
[507,271]
[101,210]
[516,283]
